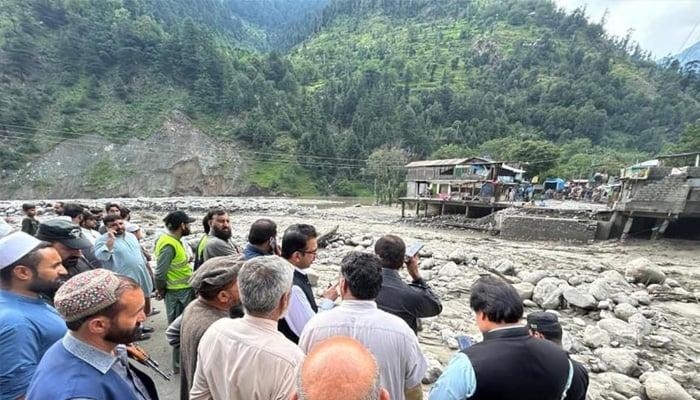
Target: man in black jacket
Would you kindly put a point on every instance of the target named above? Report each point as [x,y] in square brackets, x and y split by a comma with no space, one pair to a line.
[67,238]
[545,325]
[508,363]
[408,301]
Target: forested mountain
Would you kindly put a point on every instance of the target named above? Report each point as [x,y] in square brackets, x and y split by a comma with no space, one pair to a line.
[515,80]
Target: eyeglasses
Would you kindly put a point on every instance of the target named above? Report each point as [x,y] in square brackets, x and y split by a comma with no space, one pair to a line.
[314,252]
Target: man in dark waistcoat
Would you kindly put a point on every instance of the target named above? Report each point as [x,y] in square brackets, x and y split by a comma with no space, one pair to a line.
[508,363]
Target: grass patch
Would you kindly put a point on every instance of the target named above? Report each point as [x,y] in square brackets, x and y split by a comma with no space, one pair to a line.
[282,178]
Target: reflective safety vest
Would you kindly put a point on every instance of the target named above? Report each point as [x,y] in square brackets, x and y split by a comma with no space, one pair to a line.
[180,270]
[199,257]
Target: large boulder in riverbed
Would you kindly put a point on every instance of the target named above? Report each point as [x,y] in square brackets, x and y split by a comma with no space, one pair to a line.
[660,386]
[623,361]
[580,299]
[641,270]
[548,293]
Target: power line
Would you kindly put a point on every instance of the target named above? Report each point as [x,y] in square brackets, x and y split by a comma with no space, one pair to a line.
[688,37]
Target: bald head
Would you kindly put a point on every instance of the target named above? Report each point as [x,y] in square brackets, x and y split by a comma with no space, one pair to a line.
[339,368]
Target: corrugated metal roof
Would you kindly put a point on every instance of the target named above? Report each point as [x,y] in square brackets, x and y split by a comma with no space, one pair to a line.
[516,170]
[436,163]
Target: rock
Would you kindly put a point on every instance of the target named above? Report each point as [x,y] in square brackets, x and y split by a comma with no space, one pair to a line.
[672,283]
[366,243]
[619,330]
[615,279]
[576,280]
[313,277]
[595,337]
[624,311]
[623,361]
[428,263]
[660,386]
[427,275]
[580,299]
[529,303]
[641,270]
[506,267]
[354,241]
[604,305]
[658,341]
[600,289]
[524,290]
[450,269]
[460,256]
[642,297]
[620,298]
[579,322]
[433,372]
[532,277]
[548,293]
[640,324]
[620,383]
[449,337]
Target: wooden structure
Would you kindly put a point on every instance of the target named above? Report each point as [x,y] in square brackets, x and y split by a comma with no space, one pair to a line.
[472,186]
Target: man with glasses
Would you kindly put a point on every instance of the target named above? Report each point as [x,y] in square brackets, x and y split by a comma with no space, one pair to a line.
[299,247]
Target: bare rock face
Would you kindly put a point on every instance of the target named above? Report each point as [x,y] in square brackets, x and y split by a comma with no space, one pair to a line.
[641,270]
[660,386]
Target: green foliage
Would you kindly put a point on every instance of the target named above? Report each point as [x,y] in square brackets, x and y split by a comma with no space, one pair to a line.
[690,139]
[106,174]
[385,166]
[452,151]
[282,178]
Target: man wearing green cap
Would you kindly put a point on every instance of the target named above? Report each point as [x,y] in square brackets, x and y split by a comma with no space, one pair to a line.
[173,270]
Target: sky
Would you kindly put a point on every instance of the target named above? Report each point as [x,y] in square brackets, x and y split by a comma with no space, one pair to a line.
[661,26]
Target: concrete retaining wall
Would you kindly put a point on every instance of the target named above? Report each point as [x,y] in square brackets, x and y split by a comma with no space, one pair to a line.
[554,229]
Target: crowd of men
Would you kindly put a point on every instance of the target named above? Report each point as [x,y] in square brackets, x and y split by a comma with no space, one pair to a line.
[245,323]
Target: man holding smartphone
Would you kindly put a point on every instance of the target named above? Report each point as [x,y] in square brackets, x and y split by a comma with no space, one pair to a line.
[408,301]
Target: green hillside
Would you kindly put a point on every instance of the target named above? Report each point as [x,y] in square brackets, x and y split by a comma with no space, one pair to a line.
[516,80]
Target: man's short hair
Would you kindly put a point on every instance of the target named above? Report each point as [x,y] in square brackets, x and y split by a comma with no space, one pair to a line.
[73,210]
[391,250]
[88,215]
[262,282]
[124,212]
[295,238]
[363,273]
[498,300]
[547,324]
[261,231]
[30,260]
[28,206]
[109,218]
[110,205]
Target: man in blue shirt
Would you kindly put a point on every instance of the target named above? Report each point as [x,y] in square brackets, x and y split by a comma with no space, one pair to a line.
[262,239]
[29,268]
[508,363]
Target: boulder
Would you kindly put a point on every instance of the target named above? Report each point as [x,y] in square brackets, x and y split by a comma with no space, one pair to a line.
[504,266]
[657,341]
[451,270]
[532,277]
[433,372]
[428,263]
[580,299]
[624,311]
[595,337]
[640,324]
[619,330]
[524,290]
[460,256]
[620,383]
[621,297]
[600,289]
[642,297]
[623,361]
[660,386]
[641,270]
[548,293]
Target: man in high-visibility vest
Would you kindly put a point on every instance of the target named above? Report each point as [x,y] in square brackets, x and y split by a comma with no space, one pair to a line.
[173,270]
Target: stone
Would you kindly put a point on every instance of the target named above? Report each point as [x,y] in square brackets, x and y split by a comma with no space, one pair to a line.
[659,385]
[615,279]
[548,293]
[600,289]
[595,337]
[532,277]
[451,270]
[354,241]
[428,263]
[624,311]
[621,384]
[506,267]
[657,341]
[576,280]
[460,256]
[524,290]
[640,324]
[580,299]
[313,277]
[433,372]
[604,305]
[619,330]
[642,297]
[672,283]
[623,361]
[529,303]
[641,270]
[620,298]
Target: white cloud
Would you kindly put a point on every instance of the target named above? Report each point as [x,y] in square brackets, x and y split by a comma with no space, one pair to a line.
[661,26]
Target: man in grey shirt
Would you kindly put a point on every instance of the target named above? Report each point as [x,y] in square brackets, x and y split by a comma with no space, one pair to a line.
[219,241]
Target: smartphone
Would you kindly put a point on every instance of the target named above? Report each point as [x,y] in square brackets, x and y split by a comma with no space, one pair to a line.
[273,243]
[413,249]
[464,342]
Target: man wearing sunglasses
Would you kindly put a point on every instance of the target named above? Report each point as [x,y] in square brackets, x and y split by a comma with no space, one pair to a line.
[299,247]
